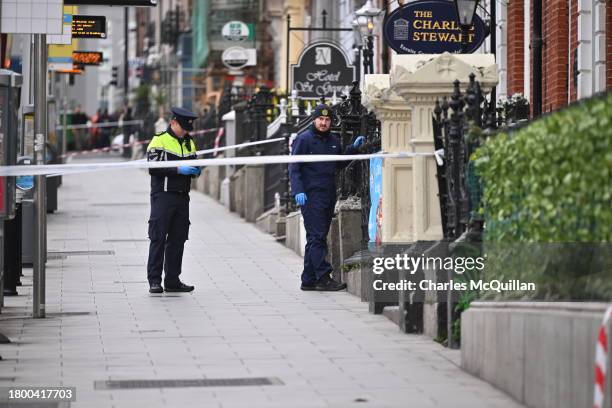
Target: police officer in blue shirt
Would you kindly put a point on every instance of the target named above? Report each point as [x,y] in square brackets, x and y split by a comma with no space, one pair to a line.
[314,187]
[169,220]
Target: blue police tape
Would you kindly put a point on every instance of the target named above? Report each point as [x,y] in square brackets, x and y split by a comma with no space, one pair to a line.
[58,169]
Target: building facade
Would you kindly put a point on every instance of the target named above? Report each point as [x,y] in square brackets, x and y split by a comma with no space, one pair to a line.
[576,44]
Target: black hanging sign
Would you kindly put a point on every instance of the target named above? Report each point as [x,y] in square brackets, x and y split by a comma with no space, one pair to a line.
[322,69]
[430,27]
[88,26]
[125,3]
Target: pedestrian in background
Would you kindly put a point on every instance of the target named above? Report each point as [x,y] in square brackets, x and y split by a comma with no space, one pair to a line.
[314,187]
[104,132]
[95,130]
[79,118]
[161,124]
[169,220]
[127,130]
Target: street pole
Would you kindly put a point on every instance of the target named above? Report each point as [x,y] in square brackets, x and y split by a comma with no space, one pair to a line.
[493,49]
[126,16]
[370,49]
[40,131]
[536,46]
[288,92]
[464,43]
[64,117]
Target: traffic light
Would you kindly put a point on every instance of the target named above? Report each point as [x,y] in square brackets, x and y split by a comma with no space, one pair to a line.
[113,81]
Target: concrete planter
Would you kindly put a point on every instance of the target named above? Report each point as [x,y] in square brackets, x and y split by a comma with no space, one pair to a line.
[267,221]
[295,236]
[216,174]
[237,192]
[541,353]
[224,195]
[253,192]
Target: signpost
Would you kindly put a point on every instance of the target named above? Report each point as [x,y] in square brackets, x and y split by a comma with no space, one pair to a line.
[308,29]
[235,57]
[322,70]
[124,3]
[87,57]
[430,27]
[235,31]
[88,26]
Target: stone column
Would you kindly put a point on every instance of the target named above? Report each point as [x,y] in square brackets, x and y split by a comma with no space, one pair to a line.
[404,102]
[420,80]
[397,187]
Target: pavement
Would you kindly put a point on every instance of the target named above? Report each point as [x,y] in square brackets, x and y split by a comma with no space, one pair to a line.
[247,319]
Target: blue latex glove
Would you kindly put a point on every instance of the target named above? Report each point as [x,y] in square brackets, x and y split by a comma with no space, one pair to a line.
[188,170]
[358,142]
[300,199]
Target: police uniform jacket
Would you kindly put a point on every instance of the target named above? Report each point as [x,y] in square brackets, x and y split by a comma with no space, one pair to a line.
[307,177]
[166,146]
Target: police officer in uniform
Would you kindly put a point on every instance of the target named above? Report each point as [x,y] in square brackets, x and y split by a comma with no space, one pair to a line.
[314,187]
[169,220]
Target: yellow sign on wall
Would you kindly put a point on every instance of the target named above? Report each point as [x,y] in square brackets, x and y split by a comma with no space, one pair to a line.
[60,52]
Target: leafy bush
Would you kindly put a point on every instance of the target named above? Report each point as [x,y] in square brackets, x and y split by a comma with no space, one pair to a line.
[550,183]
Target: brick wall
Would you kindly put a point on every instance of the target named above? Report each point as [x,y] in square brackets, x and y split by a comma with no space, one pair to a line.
[555,30]
[516,58]
[557,70]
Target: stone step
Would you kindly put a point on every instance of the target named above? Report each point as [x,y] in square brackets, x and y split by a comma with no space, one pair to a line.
[392,313]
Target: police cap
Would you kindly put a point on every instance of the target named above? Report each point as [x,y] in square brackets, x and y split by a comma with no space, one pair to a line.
[322,110]
[184,117]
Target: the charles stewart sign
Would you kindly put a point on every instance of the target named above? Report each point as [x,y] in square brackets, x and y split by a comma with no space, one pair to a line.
[322,69]
[430,27]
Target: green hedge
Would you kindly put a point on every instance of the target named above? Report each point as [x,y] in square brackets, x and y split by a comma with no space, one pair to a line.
[550,181]
[547,204]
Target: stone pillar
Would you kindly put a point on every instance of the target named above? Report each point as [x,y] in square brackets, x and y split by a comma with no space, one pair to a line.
[397,186]
[404,102]
[420,80]
[253,192]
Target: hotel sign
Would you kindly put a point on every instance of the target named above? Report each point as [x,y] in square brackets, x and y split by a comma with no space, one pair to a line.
[430,27]
[322,70]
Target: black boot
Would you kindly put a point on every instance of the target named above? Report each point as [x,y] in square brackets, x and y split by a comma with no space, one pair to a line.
[155,288]
[327,284]
[181,287]
[308,286]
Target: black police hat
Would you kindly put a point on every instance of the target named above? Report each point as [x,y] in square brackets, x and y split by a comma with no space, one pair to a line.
[184,117]
[322,110]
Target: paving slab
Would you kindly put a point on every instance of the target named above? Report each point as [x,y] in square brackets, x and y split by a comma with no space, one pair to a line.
[247,318]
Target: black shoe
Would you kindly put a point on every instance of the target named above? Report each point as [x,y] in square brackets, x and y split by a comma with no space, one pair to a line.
[181,287]
[10,292]
[308,286]
[155,288]
[327,284]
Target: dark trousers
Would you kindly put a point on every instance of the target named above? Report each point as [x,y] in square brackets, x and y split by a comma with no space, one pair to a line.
[168,231]
[317,214]
[12,253]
